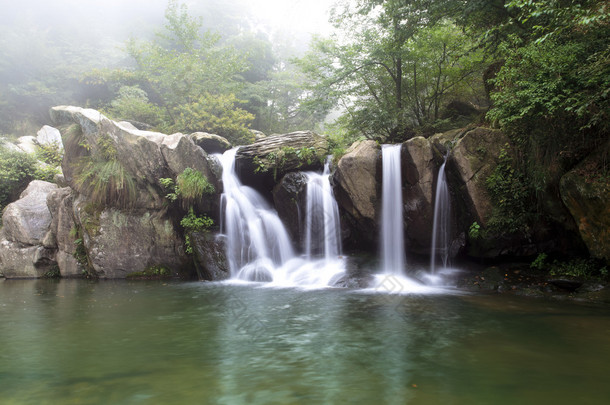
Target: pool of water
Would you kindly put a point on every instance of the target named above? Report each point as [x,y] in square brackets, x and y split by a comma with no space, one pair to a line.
[122,342]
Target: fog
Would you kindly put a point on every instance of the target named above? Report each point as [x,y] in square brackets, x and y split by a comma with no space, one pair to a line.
[118,19]
[47,47]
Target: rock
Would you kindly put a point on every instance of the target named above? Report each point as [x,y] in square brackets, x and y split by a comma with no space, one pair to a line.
[211,143]
[60,203]
[290,199]
[266,161]
[472,160]
[210,257]
[565,284]
[585,191]
[9,146]
[146,156]
[357,187]
[24,261]
[419,172]
[124,242]
[27,144]
[49,136]
[28,219]
[180,153]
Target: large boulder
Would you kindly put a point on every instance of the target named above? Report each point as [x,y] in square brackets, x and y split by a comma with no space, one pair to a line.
[180,153]
[419,172]
[211,143]
[472,160]
[266,161]
[63,228]
[120,242]
[26,244]
[210,257]
[145,156]
[28,144]
[28,219]
[48,135]
[585,191]
[24,261]
[357,189]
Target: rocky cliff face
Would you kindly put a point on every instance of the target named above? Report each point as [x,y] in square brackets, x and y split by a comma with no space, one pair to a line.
[76,231]
[585,191]
[113,220]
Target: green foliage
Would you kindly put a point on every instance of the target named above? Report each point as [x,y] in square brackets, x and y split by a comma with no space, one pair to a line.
[540,262]
[578,268]
[50,153]
[107,183]
[190,185]
[158,271]
[394,71]
[216,114]
[276,161]
[53,273]
[46,172]
[132,103]
[169,186]
[106,147]
[80,251]
[183,81]
[16,171]
[512,208]
[194,223]
[475,232]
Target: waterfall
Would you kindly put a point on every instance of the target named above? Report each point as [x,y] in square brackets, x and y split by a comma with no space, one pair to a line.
[257,244]
[392,232]
[322,227]
[257,241]
[442,221]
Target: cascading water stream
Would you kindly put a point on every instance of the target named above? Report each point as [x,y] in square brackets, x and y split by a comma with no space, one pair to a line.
[322,227]
[392,231]
[257,241]
[442,221]
[257,244]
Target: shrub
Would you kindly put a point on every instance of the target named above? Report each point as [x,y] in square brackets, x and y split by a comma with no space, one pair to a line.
[16,171]
[191,185]
[194,223]
[106,182]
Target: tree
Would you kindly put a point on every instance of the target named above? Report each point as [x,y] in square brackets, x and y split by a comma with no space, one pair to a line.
[393,70]
[185,76]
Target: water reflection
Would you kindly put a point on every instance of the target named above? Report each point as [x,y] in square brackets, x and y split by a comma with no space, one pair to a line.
[154,342]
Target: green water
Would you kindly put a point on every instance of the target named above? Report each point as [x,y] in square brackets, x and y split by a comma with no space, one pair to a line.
[79,342]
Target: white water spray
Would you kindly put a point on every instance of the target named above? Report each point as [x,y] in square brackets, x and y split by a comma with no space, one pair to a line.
[392,231]
[257,243]
[322,227]
[441,229]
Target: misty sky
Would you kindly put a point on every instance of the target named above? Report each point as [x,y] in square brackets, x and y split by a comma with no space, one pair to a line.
[297,16]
